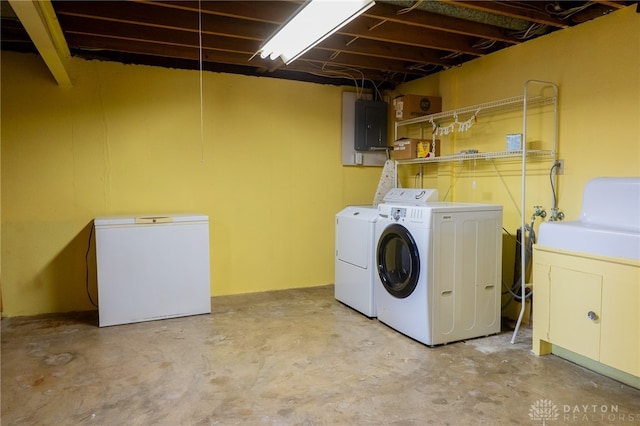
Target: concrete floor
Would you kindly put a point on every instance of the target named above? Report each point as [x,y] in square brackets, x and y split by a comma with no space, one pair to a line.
[284,358]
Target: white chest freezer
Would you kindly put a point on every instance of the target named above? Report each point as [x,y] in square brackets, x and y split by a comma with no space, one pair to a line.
[152,267]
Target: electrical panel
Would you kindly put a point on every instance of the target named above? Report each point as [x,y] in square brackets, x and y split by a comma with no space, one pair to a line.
[371,125]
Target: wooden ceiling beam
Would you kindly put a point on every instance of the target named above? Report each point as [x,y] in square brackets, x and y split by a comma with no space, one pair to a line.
[420,18]
[211,24]
[149,14]
[358,61]
[381,43]
[132,46]
[255,66]
[128,12]
[145,47]
[318,68]
[275,12]
[40,22]
[134,32]
[362,46]
[133,29]
[376,29]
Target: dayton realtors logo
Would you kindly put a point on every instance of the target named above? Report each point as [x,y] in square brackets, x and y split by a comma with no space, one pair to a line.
[545,411]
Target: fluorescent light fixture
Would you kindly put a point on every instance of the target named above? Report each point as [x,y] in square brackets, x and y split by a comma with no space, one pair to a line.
[316,21]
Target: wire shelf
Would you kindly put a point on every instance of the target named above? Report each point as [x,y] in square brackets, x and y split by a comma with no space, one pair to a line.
[480,156]
[514,103]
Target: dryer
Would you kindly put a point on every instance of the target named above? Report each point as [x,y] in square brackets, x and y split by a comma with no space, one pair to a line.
[438,268]
[355,265]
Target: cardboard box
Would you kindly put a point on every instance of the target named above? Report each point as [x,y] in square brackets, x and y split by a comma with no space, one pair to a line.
[407,148]
[411,106]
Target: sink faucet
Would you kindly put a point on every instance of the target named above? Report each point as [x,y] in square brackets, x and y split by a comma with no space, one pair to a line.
[556,214]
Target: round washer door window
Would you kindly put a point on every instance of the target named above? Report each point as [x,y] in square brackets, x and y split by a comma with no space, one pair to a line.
[398,261]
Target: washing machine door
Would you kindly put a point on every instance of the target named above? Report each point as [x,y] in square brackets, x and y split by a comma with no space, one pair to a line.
[398,261]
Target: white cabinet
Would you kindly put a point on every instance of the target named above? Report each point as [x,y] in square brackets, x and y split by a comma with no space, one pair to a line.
[588,304]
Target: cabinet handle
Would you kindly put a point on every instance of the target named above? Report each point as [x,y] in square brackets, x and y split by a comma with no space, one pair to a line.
[592,316]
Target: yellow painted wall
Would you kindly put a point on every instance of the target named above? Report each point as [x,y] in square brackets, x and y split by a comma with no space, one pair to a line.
[126,139]
[597,68]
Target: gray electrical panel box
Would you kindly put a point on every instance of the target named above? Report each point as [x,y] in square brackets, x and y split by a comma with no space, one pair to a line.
[371,125]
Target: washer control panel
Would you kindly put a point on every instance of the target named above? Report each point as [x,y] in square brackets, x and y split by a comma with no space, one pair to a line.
[411,196]
[414,215]
[398,212]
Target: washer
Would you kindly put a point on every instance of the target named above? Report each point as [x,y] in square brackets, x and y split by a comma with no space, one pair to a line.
[439,268]
[355,266]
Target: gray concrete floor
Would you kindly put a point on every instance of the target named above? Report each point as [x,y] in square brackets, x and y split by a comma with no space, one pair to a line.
[284,358]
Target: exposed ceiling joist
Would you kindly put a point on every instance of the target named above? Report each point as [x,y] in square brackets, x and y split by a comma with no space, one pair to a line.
[433,21]
[393,42]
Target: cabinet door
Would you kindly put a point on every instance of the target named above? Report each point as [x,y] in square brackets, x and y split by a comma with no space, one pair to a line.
[574,295]
[620,341]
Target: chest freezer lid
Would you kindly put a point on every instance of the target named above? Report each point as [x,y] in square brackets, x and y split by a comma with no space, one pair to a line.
[149,219]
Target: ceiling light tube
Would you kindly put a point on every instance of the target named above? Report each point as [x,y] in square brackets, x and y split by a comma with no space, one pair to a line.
[316,21]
